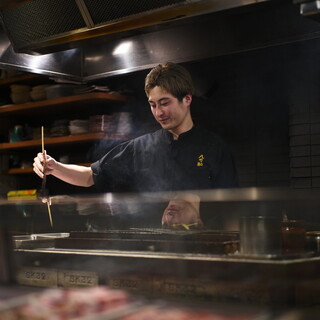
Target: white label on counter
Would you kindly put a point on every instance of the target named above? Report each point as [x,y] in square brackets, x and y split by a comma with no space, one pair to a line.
[128,282]
[71,278]
[41,277]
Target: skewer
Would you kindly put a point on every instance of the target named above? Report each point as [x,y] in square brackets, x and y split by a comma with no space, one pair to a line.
[44,178]
[42,138]
[49,214]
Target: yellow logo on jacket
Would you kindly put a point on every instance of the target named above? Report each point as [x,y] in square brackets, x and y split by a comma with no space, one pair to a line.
[200,160]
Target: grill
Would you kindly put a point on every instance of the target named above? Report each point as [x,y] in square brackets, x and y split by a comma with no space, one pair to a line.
[156,240]
[209,242]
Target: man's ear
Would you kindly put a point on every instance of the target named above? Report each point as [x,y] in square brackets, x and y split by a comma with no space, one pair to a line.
[188,99]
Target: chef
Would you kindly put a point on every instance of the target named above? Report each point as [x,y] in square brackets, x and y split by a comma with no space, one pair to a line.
[179,156]
[183,212]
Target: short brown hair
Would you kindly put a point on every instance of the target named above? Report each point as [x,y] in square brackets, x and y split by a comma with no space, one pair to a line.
[172,77]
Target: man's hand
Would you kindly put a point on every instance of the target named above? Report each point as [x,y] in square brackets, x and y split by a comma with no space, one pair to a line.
[38,167]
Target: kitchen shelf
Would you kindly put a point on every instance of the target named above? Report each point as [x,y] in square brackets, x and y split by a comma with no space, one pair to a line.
[60,103]
[87,137]
[30,170]
[44,113]
[27,78]
[18,171]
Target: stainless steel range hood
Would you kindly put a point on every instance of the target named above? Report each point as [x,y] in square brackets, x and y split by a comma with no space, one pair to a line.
[83,41]
[45,26]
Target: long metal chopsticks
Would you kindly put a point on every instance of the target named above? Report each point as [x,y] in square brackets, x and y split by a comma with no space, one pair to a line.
[44,177]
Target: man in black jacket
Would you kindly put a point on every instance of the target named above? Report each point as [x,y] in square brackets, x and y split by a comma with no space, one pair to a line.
[179,156]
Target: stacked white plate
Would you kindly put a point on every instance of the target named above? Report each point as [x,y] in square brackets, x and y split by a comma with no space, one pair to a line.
[59,128]
[39,92]
[79,126]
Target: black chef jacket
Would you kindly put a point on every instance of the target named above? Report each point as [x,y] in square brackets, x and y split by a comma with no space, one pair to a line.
[199,159]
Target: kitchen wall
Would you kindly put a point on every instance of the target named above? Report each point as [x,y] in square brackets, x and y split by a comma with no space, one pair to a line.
[265,104]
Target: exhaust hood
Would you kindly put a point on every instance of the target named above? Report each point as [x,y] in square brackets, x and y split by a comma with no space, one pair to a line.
[45,26]
[86,40]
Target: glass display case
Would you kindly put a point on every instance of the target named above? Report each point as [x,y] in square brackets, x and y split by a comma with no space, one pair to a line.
[256,249]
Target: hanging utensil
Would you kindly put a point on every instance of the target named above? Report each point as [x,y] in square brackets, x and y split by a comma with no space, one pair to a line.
[45,197]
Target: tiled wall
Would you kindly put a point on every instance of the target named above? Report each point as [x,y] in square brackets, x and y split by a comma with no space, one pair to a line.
[266,104]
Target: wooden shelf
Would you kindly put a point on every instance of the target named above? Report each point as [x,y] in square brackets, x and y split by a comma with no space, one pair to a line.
[18,171]
[60,103]
[54,141]
[85,104]
[30,170]
[28,78]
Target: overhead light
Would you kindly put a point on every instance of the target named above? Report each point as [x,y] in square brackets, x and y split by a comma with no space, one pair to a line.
[122,48]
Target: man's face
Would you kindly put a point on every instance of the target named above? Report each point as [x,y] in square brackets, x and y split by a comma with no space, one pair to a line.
[179,212]
[168,111]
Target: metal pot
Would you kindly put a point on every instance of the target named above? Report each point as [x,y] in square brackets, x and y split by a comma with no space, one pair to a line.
[260,235]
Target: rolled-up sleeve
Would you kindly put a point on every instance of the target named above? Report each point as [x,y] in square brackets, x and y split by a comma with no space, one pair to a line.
[114,171]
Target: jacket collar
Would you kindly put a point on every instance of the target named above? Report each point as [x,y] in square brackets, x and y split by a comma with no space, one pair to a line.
[169,137]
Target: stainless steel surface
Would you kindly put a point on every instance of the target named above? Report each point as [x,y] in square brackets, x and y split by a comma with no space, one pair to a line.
[85,19]
[44,240]
[254,194]
[241,278]
[247,25]
[66,64]
[252,259]
[260,235]
[211,35]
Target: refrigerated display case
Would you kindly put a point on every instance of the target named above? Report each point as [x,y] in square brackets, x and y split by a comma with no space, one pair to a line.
[124,242]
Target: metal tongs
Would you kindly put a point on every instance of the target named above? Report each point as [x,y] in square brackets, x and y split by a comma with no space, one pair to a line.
[44,195]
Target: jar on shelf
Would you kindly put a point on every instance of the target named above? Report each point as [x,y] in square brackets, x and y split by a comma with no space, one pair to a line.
[16,134]
[293,236]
